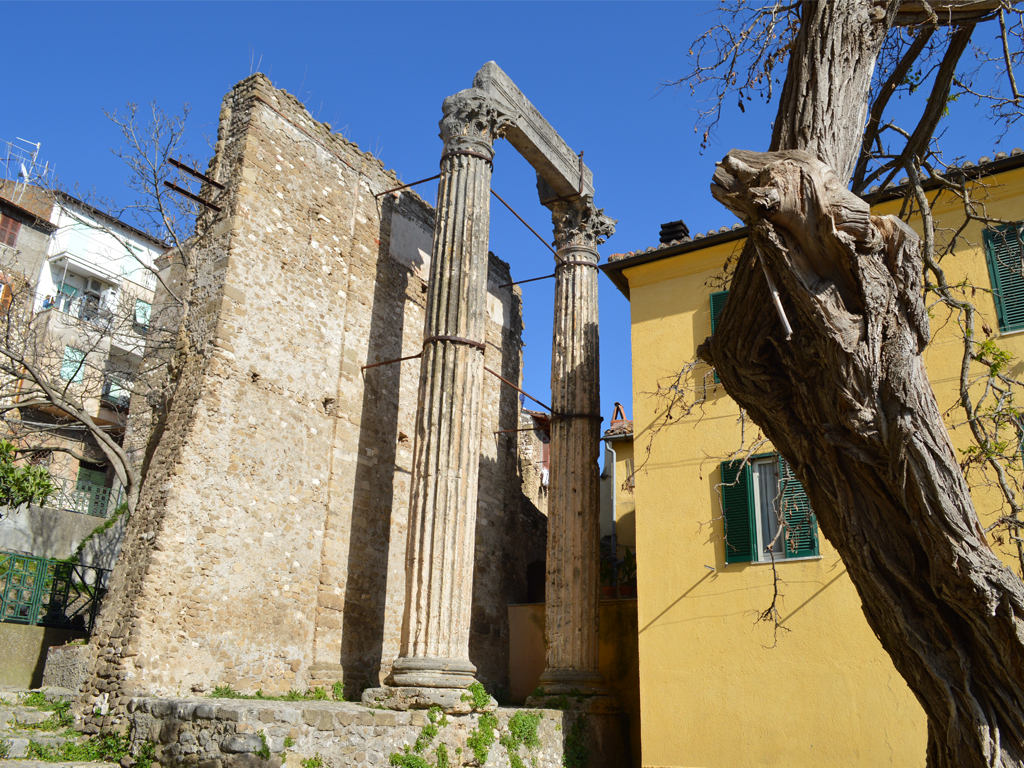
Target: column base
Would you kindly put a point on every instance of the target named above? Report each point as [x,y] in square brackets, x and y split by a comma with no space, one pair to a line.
[431,672]
[572,689]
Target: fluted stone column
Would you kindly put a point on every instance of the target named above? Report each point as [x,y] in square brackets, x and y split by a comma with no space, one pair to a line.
[446,455]
[574,531]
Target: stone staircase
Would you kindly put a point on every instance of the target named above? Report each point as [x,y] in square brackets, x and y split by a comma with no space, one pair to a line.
[20,720]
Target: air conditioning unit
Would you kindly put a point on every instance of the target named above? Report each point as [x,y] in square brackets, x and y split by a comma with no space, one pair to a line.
[94,287]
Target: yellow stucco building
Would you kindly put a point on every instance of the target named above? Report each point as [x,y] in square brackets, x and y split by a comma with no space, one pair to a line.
[718,687]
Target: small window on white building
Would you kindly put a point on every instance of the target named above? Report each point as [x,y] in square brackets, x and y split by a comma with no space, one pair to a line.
[143,310]
[73,366]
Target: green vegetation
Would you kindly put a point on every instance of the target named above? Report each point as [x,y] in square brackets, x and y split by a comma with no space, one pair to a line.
[338,691]
[408,760]
[146,756]
[522,732]
[108,748]
[319,693]
[5,749]
[313,762]
[22,485]
[436,721]
[477,695]
[289,742]
[481,738]
[264,750]
[576,754]
[60,717]
[413,757]
[523,728]
[74,557]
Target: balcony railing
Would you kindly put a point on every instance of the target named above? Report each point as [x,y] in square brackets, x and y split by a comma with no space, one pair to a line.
[50,593]
[84,497]
[83,308]
[114,395]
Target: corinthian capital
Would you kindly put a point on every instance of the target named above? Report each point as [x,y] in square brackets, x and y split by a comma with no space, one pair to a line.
[471,119]
[578,223]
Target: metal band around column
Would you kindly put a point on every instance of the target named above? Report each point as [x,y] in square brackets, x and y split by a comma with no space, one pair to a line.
[458,340]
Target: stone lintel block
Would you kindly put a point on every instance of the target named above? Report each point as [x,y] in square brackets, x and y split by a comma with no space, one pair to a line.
[533,136]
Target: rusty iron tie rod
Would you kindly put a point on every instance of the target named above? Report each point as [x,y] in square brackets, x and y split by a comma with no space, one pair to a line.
[553,274]
[546,244]
[545,406]
[498,375]
[192,171]
[190,196]
[522,429]
[531,280]
[389,362]
[410,184]
[456,339]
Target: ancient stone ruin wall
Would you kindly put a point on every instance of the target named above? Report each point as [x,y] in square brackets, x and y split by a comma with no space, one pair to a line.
[268,551]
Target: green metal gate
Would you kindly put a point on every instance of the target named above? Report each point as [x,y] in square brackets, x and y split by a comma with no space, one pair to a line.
[51,593]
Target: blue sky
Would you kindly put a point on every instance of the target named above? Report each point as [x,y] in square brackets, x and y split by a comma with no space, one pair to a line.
[378,72]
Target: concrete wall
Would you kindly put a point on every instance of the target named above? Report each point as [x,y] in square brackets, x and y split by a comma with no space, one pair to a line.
[269,547]
[53,533]
[24,652]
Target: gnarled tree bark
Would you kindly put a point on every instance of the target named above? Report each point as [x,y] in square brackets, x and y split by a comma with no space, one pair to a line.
[848,402]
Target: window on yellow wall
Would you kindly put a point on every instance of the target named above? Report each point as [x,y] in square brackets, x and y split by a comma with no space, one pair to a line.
[1004,250]
[758,497]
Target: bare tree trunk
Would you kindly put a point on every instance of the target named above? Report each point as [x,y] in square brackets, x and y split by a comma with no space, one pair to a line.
[848,402]
[824,101]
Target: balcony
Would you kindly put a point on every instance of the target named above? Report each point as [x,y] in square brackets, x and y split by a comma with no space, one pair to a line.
[114,395]
[85,308]
[84,497]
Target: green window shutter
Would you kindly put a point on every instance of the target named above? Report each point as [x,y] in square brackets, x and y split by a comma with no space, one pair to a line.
[717,304]
[801,536]
[737,512]
[1005,255]
[73,366]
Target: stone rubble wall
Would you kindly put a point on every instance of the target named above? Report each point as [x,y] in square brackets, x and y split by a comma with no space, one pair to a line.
[215,733]
[268,549]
